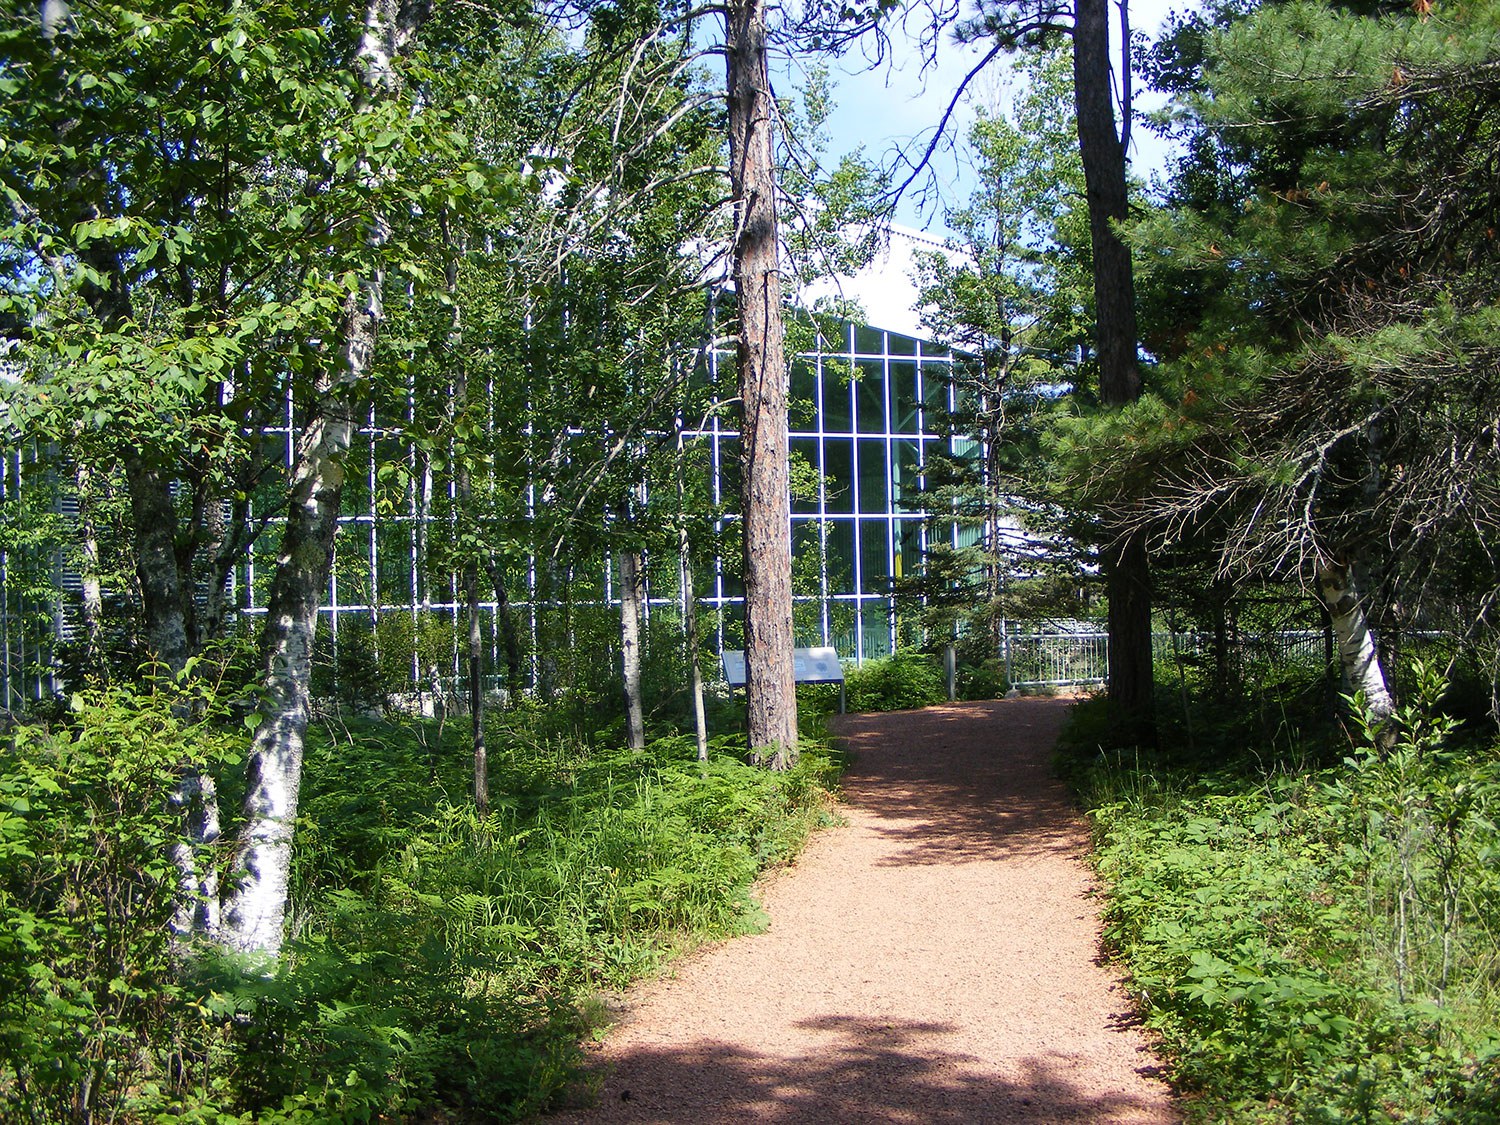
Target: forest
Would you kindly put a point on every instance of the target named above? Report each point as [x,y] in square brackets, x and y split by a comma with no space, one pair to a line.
[403,406]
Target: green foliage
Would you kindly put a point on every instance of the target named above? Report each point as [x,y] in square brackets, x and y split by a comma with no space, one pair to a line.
[439,959]
[895,683]
[94,1017]
[1312,943]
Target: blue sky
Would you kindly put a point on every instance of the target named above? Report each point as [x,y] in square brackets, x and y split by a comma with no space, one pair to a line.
[898,103]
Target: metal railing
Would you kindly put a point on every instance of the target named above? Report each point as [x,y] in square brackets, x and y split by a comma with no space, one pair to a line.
[1082,659]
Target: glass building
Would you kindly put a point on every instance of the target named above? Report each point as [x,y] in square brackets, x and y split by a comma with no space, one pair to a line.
[865,403]
[863,406]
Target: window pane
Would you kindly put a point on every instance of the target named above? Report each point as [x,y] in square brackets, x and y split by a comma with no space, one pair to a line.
[838,474]
[869,393]
[899,344]
[841,556]
[872,484]
[909,545]
[837,394]
[869,341]
[935,379]
[803,404]
[906,480]
[807,561]
[805,474]
[903,397]
[874,561]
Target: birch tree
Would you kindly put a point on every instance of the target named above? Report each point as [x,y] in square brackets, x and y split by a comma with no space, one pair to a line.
[255,911]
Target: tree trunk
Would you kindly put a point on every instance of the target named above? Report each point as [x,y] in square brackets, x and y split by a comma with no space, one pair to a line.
[505,619]
[631,596]
[765,496]
[1124,560]
[254,914]
[164,617]
[476,677]
[1356,644]
[690,633]
[93,591]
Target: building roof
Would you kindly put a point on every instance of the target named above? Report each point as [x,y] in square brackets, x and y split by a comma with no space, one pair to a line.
[886,288]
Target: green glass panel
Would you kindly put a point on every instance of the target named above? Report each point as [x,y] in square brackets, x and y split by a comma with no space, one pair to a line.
[902,390]
[935,380]
[874,561]
[838,474]
[873,496]
[805,473]
[838,415]
[909,548]
[840,540]
[869,393]
[906,475]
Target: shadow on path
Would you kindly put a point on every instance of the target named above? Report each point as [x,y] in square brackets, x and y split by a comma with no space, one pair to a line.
[864,1072]
[1000,802]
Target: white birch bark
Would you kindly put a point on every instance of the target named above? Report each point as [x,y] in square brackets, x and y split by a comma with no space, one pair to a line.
[632,590]
[1357,651]
[93,591]
[255,914]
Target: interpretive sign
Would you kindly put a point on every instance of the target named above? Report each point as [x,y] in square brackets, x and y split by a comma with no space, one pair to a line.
[809,666]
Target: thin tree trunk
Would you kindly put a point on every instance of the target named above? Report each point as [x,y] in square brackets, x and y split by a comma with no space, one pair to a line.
[690,627]
[1356,644]
[255,913]
[631,592]
[505,619]
[476,680]
[154,526]
[1124,560]
[765,496]
[93,592]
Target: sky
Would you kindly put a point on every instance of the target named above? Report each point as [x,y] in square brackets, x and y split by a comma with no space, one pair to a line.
[897,103]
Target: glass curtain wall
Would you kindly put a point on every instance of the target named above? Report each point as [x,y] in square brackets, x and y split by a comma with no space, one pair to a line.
[863,403]
[861,421]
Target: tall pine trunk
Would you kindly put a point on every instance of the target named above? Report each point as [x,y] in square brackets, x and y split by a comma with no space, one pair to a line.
[765,492]
[1127,573]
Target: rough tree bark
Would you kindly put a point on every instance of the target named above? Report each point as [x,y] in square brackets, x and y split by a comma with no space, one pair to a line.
[1126,567]
[255,913]
[765,492]
[164,616]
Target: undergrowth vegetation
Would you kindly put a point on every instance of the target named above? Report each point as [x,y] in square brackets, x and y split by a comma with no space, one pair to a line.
[1310,925]
[899,682]
[440,961]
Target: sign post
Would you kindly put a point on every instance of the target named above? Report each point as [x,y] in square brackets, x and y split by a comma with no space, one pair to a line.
[809,666]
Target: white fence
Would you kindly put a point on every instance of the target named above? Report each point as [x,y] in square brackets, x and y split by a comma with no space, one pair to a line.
[1080,659]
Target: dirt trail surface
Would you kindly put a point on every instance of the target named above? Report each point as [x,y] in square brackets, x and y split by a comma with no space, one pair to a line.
[933,960]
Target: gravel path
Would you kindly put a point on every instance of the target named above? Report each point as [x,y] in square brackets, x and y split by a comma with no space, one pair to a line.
[933,960]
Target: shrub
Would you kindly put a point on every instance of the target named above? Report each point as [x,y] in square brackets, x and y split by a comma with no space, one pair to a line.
[1313,943]
[93,1017]
[895,683]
